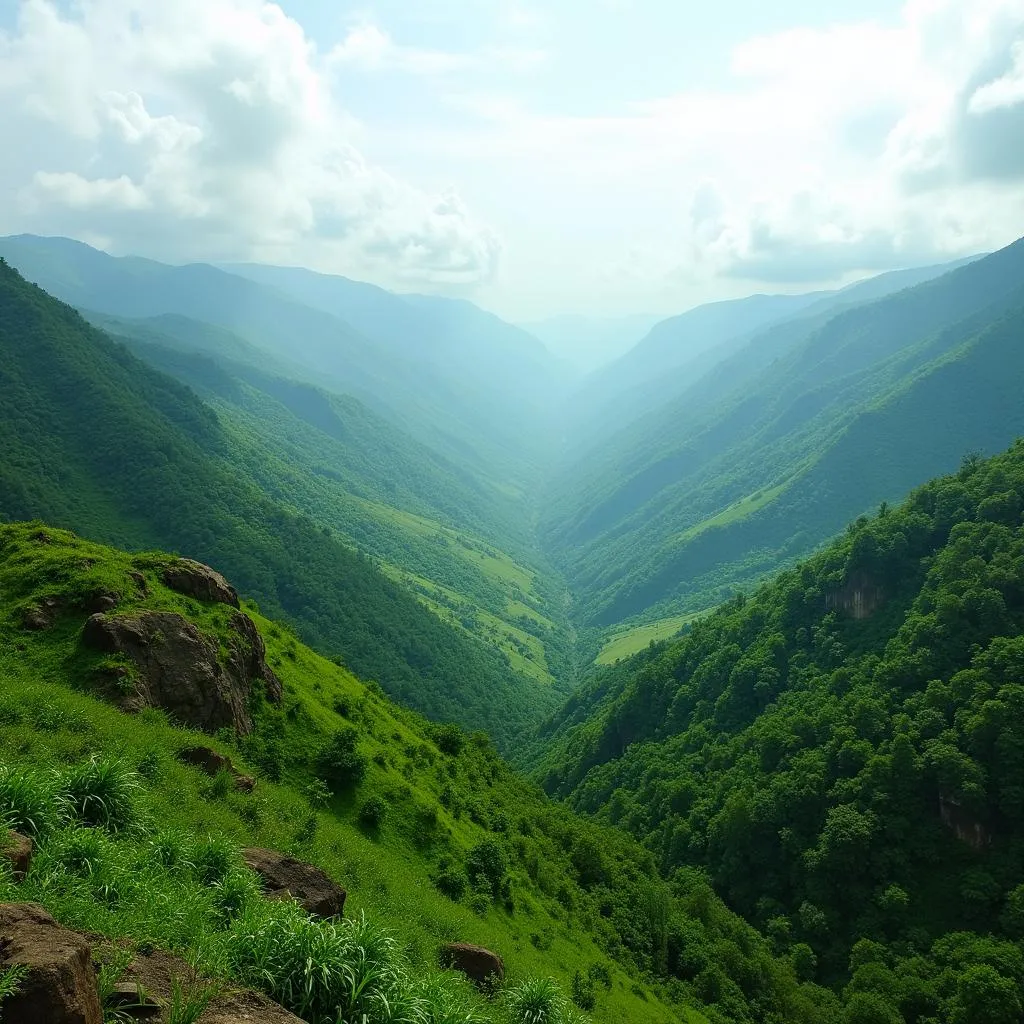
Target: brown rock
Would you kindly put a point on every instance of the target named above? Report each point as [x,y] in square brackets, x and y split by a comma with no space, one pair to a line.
[480,965]
[199,581]
[41,615]
[285,877]
[101,602]
[140,582]
[18,852]
[60,984]
[178,668]
[206,760]
[245,783]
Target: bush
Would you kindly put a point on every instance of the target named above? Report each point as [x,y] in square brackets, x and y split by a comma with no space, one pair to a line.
[451,880]
[102,792]
[29,801]
[450,739]
[583,991]
[488,869]
[536,1001]
[373,812]
[214,858]
[340,764]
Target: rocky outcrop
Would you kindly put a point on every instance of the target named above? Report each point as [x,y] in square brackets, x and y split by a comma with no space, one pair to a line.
[859,597]
[199,581]
[17,851]
[964,825]
[480,965]
[59,986]
[179,669]
[41,615]
[285,877]
[212,763]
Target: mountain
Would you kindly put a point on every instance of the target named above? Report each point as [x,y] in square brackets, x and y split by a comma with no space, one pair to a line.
[587,343]
[458,545]
[426,383]
[95,440]
[841,751]
[139,824]
[699,357]
[853,408]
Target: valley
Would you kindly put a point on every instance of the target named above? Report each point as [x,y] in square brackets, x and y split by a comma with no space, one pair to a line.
[679,682]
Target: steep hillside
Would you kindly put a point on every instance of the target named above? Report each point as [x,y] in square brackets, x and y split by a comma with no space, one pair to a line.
[414,386]
[433,836]
[95,440]
[843,751]
[677,513]
[431,525]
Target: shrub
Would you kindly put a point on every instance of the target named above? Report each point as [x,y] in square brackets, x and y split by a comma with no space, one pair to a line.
[451,880]
[214,858]
[583,991]
[29,801]
[373,812]
[535,1001]
[341,765]
[102,792]
[450,739]
[488,869]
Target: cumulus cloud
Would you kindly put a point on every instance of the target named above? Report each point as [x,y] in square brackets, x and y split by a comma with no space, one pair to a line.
[210,129]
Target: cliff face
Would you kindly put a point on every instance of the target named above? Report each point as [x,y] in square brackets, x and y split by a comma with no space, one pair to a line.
[859,597]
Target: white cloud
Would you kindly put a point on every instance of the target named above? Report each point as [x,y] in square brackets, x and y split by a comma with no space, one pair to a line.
[210,129]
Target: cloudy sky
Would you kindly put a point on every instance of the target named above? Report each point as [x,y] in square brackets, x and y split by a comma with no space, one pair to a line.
[537,156]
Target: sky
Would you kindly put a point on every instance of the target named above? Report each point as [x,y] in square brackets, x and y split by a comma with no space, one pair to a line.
[605,157]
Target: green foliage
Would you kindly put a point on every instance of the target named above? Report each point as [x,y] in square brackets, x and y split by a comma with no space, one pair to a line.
[340,764]
[101,791]
[30,801]
[373,811]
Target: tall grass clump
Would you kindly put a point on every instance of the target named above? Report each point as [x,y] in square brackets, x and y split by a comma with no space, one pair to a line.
[30,801]
[102,792]
[539,1001]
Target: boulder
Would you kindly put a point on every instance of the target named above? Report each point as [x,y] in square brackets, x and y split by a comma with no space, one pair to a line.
[60,984]
[17,851]
[41,615]
[199,581]
[131,1000]
[179,669]
[213,763]
[285,877]
[101,601]
[480,965]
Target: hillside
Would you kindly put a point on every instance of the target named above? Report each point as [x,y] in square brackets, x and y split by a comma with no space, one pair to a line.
[433,836]
[95,440]
[409,377]
[854,409]
[429,523]
[841,751]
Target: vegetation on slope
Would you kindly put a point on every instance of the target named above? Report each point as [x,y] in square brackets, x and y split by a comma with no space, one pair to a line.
[95,440]
[713,492]
[843,753]
[433,835]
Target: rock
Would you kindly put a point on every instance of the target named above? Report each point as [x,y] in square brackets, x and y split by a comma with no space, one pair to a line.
[245,783]
[101,602]
[60,985]
[140,582]
[130,999]
[42,615]
[18,852]
[179,669]
[156,972]
[480,965]
[285,877]
[199,581]
[206,760]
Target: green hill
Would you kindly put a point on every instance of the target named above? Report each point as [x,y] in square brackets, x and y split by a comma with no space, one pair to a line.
[841,751]
[434,837]
[711,492]
[95,440]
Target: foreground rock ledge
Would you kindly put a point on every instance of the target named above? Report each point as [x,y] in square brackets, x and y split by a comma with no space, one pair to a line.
[60,986]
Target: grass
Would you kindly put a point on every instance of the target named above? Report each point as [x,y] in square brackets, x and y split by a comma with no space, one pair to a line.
[627,642]
[440,806]
[734,513]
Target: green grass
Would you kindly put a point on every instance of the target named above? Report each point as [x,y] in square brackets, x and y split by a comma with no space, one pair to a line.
[441,807]
[733,514]
[627,642]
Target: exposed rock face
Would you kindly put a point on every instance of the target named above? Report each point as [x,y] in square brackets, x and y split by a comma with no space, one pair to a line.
[480,965]
[967,828]
[17,851]
[285,877]
[60,986]
[178,668]
[199,581]
[858,597]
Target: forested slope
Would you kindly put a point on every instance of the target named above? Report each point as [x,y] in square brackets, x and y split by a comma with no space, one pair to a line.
[95,440]
[843,752]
